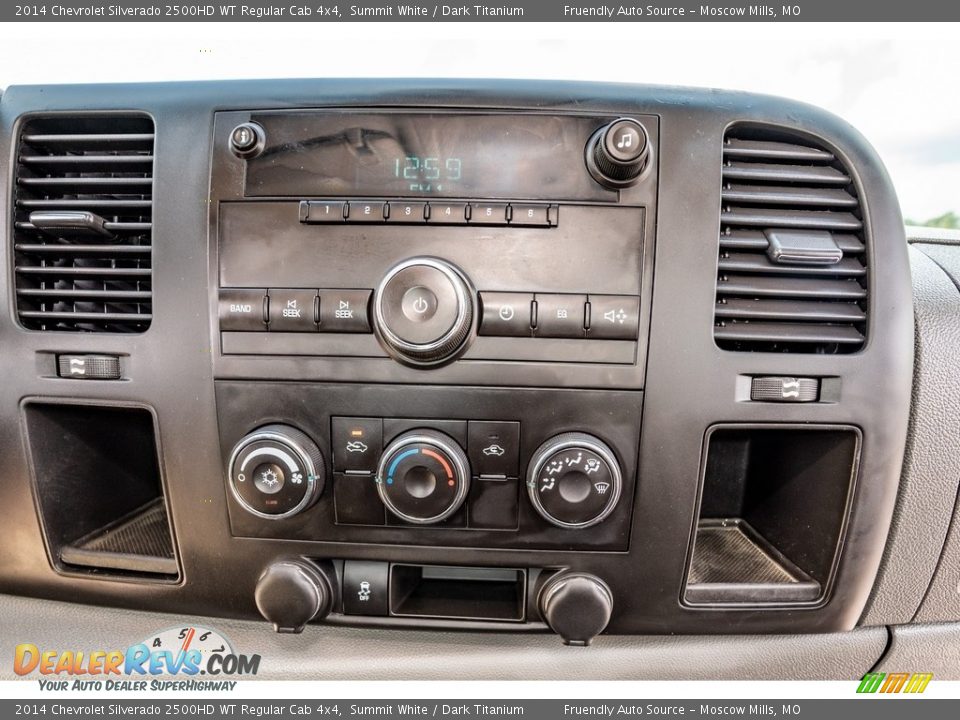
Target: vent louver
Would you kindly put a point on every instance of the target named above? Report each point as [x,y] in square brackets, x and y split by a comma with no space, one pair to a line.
[83,223]
[792,273]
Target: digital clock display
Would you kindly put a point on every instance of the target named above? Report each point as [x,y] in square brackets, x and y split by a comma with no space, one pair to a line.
[425,154]
[428,174]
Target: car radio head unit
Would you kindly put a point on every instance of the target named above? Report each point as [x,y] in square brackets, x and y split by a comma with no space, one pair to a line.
[436,237]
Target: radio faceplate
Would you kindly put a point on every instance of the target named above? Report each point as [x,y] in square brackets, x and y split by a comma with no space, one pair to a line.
[554,265]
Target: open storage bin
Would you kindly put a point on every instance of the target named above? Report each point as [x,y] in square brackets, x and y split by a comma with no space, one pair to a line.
[774,503]
[98,489]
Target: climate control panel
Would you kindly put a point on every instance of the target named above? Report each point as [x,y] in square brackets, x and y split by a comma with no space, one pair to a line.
[432,465]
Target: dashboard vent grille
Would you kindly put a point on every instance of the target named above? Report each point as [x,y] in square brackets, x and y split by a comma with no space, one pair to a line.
[83,223]
[792,272]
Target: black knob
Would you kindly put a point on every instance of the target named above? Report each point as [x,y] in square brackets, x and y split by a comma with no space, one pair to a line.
[424,311]
[291,593]
[618,153]
[276,472]
[576,606]
[574,480]
[423,477]
[247,140]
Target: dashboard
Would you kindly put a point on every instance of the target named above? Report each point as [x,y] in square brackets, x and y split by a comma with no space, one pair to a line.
[491,356]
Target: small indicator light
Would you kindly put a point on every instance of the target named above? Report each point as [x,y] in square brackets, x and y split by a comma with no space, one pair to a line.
[356,433]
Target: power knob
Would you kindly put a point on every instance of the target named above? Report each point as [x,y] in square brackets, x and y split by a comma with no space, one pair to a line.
[576,606]
[618,153]
[276,472]
[424,311]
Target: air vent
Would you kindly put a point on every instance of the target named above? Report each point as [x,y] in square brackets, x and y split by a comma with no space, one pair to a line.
[82,223]
[792,273]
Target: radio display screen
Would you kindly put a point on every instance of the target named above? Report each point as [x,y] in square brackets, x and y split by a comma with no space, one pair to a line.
[425,154]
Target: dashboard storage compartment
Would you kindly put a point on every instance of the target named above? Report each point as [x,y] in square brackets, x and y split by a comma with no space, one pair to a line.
[462,593]
[98,489]
[772,512]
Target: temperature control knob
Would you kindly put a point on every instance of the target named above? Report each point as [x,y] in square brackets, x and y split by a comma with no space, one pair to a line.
[423,477]
[618,153]
[574,480]
[424,311]
[276,472]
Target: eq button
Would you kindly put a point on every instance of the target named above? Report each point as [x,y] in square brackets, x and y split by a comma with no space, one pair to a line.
[560,316]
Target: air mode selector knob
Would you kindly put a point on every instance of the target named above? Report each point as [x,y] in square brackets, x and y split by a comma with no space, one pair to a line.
[276,472]
[423,477]
[574,480]
[618,153]
[424,311]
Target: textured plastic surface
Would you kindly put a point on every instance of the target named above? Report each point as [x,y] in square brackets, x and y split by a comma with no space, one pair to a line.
[690,384]
[376,654]
[931,468]
[141,543]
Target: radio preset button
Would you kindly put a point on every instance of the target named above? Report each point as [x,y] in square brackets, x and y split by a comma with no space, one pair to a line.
[360,211]
[293,310]
[506,314]
[560,316]
[448,213]
[530,215]
[322,211]
[242,310]
[614,317]
[344,311]
[411,212]
[488,213]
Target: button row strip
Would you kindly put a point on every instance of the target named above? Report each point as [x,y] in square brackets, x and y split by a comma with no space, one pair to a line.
[551,315]
[294,310]
[436,213]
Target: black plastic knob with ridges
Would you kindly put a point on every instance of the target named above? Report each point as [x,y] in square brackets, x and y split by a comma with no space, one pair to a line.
[618,153]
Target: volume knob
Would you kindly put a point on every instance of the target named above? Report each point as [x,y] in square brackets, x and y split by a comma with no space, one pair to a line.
[618,153]
[424,311]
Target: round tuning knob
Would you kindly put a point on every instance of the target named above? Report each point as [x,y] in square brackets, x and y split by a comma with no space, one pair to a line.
[423,477]
[247,140]
[576,606]
[424,311]
[618,153]
[276,472]
[574,480]
[291,593]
